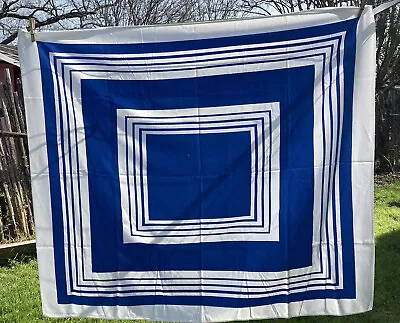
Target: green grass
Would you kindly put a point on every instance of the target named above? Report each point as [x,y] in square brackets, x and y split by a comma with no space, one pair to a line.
[20,297]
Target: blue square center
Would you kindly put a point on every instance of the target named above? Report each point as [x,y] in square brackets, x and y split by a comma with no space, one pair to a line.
[209,172]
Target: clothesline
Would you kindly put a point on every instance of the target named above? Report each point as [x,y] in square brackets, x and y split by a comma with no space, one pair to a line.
[385,6]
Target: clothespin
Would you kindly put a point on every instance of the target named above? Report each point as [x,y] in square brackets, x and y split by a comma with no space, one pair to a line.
[362,6]
[32,23]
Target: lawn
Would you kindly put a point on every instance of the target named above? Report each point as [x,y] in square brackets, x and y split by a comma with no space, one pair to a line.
[20,297]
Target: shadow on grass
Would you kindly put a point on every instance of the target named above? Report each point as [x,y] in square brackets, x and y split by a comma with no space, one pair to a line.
[394,203]
[21,258]
[387,278]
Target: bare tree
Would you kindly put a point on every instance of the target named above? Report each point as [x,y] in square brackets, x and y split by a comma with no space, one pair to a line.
[14,14]
[387,78]
[151,12]
[270,7]
[388,50]
[70,14]
[136,12]
[217,10]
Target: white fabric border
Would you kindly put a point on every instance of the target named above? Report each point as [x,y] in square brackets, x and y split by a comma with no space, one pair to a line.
[363,108]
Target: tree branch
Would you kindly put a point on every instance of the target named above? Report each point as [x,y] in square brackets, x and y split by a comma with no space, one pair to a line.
[10,38]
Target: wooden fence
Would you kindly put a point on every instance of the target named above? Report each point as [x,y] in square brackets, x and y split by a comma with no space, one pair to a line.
[16,215]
